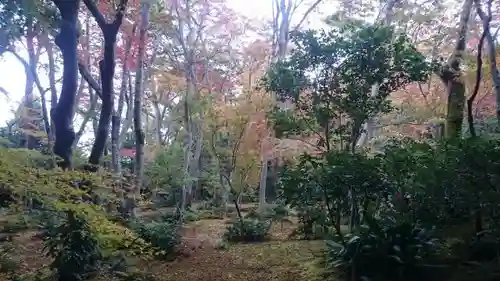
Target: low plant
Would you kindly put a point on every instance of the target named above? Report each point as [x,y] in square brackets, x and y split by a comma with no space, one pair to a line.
[191,216]
[384,250]
[164,236]
[74,247]
[277,213]
[8,262]
[247,230]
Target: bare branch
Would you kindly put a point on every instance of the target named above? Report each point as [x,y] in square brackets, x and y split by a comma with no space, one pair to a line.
[304,17]
[88,77]
[4,92]
[98,16]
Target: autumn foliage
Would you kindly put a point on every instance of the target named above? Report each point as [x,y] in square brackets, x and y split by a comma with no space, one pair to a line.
[238,131]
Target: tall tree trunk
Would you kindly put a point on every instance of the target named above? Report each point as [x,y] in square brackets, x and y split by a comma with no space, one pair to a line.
[52,84]
[107,70]
[451,76]
[189,142]
[30,70]
[116,118]
[93,93]
[63,115]
[191,122]
[139,90]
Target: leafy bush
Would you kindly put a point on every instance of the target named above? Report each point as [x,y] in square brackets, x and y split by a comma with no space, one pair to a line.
[16,223]
[384,250]
[210,214]
[74,247]
[8,262]
[191,216]
[139,276]
[247,230]
[164,236]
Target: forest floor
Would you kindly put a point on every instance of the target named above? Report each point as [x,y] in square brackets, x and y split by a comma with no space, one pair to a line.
[203,259]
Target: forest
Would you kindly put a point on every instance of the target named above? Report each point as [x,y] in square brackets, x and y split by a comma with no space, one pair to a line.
[341,140]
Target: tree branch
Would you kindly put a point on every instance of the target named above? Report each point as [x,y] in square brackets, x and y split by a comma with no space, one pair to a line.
[98,16]
[88,77]
[303,19]
[120,12]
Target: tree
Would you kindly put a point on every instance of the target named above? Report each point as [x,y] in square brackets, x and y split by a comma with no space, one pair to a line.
[63,114]
[281,26]
[235,131]
[451,77]
[486,19]
[199,37]
[138,96]
[107,72]
[334,102]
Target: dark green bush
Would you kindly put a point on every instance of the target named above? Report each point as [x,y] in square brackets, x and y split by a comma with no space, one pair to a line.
[247,230]
[191,216]
[9,262]
[163,235]
[384,250]
[74,247]
[17,224]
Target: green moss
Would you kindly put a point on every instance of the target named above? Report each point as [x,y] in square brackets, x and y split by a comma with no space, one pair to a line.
[284,260]
[26,177]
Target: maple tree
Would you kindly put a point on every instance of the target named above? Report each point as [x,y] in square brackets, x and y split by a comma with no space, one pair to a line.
[235,131]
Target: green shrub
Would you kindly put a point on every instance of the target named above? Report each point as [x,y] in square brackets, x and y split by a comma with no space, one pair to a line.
[9,264]
[17,223]
[247,230]
[384,250]
[210,215]
[191,216]
[164,236]
[74,247]
[139,276]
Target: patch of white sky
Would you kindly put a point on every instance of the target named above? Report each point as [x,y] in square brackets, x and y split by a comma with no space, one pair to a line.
[12,75]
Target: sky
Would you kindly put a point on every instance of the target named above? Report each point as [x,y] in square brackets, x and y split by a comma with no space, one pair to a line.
[12,77]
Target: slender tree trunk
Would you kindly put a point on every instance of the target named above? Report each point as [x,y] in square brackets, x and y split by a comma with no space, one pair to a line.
[116,118]
[91,92]
[139,84]
[492,54]
[52,84]
[129,115]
